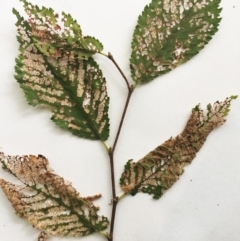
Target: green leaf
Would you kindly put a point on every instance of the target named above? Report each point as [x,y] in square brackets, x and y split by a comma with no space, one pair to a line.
[55,35]
[47,201]
[169,33]
[162,167]
[73,87]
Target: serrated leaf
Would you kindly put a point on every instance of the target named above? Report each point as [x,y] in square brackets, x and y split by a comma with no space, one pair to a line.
[47,201]
[74,88]
[54,35]
[169,33]
[161,168]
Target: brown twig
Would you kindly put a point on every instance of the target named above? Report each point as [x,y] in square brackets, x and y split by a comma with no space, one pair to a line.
[112,150]
[130,91]
[110,56]
[114,197]
[123,116]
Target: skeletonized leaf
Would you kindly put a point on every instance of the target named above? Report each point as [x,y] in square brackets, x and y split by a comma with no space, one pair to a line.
[162,167]
[73,87]
[47,201]
[42,236]
[169,33]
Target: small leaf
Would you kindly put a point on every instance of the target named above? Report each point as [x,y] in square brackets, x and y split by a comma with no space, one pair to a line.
[47,201]
[54,35]
[73,87]
[169,33]
[162,167]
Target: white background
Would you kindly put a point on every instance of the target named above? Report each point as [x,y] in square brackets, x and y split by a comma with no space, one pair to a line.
[205,203]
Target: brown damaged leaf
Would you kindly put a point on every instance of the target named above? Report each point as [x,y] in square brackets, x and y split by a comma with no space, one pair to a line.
[42,236]
[162,167]
[47,201]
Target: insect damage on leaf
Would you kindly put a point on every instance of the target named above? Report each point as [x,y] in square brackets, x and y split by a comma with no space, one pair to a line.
[56,35]
[170,32]
[47,201]
[162,167]
[52,72]
[42,236]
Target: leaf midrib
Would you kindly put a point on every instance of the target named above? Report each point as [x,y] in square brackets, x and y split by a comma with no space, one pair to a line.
[84,220]
[184,19]
[72,95]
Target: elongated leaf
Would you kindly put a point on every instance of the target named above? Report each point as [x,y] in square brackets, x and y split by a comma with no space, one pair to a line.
[170,32]
[162,167]
[47,201]
[73,87]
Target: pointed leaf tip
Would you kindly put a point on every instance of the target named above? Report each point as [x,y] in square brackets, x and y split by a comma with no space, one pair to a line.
[161,168]
[169,33]
[56,34]
[55,69]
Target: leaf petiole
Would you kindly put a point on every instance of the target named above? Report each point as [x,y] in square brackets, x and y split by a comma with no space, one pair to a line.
[120,197]
[104,234]
[106,145]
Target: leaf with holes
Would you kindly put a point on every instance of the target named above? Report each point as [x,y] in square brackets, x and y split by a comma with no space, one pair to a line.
[56,35]
[73,87]
[169,33]
[47,201]
[162,167]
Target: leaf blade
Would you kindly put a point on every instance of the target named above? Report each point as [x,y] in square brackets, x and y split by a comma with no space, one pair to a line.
[169,33]
[161,168]
[47,201]
[74,88]
[54,36]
